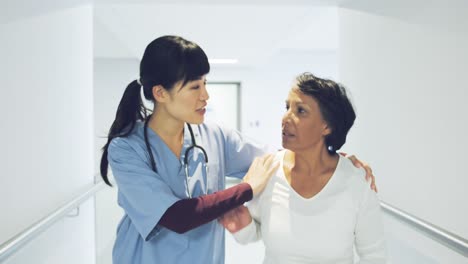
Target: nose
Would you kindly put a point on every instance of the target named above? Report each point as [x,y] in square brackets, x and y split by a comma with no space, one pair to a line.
[204,96]
[286,117]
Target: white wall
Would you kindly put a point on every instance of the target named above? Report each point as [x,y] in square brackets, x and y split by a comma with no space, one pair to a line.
[264,89]
[408,79]
[47,128]
[111,77]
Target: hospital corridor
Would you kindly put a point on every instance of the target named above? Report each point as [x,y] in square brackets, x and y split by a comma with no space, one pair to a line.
[65,65]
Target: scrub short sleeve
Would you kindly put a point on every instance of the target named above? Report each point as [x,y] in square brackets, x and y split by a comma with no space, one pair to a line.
[240,152]
[143,194]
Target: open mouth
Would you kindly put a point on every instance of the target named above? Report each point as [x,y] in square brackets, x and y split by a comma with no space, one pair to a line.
[203,108]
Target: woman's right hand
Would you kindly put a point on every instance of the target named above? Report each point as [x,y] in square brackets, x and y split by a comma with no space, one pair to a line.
[236,219]
[260,172]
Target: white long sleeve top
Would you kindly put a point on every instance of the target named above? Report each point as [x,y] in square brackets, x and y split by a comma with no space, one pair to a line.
[323,229]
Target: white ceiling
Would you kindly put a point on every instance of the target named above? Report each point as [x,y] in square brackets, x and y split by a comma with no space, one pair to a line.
[226,2]
[249,33]
[11,10]
[252,31]
[448,15]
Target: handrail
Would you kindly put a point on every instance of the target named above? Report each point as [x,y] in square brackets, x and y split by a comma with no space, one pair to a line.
[444,237]
[450,240]
[17,242]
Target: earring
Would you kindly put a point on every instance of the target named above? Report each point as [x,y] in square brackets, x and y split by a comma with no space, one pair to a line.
[330,148]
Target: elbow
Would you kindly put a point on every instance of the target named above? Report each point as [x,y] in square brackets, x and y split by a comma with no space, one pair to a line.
[181,229]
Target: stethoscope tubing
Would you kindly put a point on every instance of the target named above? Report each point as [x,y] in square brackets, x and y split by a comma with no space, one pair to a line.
[187,151]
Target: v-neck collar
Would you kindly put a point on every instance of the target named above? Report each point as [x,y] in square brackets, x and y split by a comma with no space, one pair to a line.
[328,187]
[160,143]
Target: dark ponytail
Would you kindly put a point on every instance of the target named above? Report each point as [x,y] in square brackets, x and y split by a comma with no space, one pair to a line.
[130,110]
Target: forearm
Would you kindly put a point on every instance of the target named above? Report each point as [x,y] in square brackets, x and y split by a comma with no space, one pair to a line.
[187,214]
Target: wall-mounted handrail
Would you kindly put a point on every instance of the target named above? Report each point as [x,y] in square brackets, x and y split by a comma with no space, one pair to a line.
[444,237]
[17,242]
[450,240]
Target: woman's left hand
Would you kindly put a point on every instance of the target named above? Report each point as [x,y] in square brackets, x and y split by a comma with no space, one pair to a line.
[362,164]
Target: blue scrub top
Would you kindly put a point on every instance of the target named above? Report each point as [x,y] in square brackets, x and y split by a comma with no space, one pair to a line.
[145,195]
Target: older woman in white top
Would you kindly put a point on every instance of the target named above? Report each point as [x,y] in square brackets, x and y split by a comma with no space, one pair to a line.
[318,206]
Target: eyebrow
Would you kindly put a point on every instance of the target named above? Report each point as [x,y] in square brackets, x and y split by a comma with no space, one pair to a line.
[299,103]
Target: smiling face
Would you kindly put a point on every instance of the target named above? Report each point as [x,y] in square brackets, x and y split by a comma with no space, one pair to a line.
[303,125]
[186,103]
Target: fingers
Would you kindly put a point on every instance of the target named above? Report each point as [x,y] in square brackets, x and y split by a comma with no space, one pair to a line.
[264,160]
[369,175]
[255,161]
[227,220]
[373,185]
[357,163]
[368,169]
[268,159]
[231,220]
[273,168]
[270,162]
[344,154]
[243,209]
[223,221]
[231,227]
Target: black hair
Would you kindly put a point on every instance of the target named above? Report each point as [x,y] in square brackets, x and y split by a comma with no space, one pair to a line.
[334,104]
[166,61]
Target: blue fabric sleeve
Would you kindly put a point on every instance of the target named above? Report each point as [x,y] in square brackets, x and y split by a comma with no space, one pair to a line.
[240,151]
[143,195]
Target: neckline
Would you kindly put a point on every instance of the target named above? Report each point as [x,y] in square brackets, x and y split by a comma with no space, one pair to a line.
[325,188]
[186,142]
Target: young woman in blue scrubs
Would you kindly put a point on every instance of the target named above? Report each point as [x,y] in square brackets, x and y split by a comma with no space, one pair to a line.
[170,175]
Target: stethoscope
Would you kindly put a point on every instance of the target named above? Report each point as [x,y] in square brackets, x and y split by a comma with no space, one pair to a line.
[193,146]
